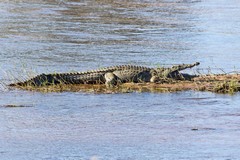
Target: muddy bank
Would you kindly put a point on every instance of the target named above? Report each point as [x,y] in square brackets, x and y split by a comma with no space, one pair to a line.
[223,83]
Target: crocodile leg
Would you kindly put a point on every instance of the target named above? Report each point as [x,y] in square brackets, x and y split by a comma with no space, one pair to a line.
[124,76]
[111,80]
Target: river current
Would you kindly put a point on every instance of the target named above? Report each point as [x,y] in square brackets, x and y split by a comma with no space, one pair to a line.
[48,36]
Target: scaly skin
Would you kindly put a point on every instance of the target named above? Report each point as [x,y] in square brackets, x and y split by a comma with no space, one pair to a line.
[109,75]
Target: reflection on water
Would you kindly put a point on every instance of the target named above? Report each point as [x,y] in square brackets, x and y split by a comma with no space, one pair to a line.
[48,36]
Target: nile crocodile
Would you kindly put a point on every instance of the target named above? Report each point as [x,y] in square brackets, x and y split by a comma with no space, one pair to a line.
[111,76]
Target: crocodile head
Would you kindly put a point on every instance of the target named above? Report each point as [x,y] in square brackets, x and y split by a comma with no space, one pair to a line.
[172,72]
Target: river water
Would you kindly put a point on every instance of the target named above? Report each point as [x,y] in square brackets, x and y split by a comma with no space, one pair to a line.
[39,36]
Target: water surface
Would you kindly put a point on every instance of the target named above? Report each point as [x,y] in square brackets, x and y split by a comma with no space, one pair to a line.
[61,36]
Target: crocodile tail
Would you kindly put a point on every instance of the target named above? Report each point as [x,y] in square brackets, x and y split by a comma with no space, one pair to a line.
[184,66]
[40,80]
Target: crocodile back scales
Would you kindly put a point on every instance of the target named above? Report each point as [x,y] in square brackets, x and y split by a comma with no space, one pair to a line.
[88,77]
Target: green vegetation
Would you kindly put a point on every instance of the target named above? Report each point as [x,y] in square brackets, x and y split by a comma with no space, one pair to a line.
[229,87]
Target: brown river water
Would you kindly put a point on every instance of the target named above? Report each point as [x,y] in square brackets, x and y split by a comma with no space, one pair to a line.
[47,36]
